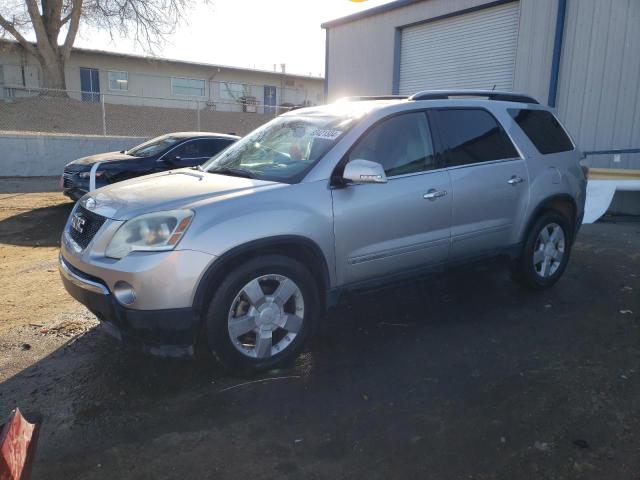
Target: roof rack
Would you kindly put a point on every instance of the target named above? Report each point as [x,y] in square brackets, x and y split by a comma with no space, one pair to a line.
[373,97]
[490,94]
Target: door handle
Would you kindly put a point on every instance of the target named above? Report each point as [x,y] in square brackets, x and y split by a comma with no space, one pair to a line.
[434,194]
[515,180]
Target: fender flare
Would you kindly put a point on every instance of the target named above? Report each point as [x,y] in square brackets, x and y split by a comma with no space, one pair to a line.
[215,271]
[544,204]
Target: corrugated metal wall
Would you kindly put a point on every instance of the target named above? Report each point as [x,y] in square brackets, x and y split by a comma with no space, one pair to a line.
[361,53]
[599,90]
[535,47]
[599,81]
[475,50]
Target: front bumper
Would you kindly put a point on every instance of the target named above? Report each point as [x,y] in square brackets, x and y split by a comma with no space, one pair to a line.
[167,333]
[73,186]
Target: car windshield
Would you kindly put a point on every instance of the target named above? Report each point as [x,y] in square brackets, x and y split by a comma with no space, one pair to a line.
[153,146]
[283,150]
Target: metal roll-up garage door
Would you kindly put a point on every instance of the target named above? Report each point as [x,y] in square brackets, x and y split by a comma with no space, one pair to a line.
[471,50]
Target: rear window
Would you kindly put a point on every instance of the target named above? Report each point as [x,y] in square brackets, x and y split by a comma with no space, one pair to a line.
[473,136]
[544,131]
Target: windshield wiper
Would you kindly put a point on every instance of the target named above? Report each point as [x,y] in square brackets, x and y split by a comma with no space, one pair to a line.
[235,172]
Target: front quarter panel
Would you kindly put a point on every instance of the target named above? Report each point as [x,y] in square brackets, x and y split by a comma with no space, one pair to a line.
[302,210]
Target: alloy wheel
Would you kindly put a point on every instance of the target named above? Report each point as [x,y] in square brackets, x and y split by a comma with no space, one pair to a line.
[549,250]
[266,316]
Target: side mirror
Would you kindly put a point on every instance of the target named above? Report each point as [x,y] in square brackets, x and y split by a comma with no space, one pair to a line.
[172,158]
[364,171]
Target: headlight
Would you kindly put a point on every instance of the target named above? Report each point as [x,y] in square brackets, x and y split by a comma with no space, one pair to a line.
[150,232]
[88,174]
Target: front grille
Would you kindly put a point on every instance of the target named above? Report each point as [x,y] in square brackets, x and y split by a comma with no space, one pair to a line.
[66,181]
[91,225]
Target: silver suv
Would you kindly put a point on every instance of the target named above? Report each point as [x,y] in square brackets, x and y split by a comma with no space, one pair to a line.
[245,253]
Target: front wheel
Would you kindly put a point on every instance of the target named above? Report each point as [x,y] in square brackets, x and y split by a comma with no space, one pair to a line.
[262,313]
[545,253]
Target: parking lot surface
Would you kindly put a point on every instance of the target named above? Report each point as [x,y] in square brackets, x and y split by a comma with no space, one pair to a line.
[463,376]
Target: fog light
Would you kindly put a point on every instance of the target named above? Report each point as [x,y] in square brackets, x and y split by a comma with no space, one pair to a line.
[124,293]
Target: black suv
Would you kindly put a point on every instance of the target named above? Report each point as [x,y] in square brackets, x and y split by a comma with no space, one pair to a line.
[170,151]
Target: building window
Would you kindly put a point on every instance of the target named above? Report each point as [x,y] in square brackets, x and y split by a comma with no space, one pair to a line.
[187,87]
[231,91]
[118,80]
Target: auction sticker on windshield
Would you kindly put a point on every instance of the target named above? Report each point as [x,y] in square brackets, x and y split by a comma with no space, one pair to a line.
[326,134]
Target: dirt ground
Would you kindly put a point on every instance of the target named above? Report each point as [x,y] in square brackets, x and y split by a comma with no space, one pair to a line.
[462,377]
[33,301]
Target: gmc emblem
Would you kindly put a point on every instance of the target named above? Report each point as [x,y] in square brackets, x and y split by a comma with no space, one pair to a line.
[77,223]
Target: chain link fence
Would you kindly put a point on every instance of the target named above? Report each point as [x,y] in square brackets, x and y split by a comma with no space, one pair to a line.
[24,109]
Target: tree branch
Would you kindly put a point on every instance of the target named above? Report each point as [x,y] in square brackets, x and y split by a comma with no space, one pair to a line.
[36,21]
[9,27]
[74,23]
[65,19]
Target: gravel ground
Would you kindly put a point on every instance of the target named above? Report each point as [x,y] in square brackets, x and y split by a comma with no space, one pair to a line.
[462,377]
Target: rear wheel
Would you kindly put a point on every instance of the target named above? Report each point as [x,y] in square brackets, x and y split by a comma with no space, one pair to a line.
[262,313]
[545,253]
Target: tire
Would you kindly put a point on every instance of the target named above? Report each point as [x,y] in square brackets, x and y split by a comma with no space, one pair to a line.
[236,307]
[546,268]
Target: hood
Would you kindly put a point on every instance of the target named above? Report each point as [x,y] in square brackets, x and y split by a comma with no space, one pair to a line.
[170,190]
[102,157]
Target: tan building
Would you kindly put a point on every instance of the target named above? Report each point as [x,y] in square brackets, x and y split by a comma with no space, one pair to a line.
[94,75]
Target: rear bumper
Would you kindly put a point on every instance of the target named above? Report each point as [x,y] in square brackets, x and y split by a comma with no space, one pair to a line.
[166,333]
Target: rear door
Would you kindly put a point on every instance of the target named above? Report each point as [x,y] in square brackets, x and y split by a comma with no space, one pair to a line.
[401,225]
[489,180]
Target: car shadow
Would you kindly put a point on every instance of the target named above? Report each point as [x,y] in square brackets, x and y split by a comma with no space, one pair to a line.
[92,385]
[21,185]
[444,366]
[40,227]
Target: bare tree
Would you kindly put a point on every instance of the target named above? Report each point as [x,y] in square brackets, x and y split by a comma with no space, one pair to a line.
[55,24]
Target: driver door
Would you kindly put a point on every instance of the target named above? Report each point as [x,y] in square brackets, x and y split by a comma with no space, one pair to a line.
[404,224]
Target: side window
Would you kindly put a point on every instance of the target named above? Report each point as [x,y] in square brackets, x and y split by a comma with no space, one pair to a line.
[211,147]
[401,144]
[473,136]
[544,131]
[187,150]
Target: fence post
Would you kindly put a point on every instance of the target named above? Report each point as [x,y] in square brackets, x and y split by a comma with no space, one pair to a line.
[104,116]
[198,115]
